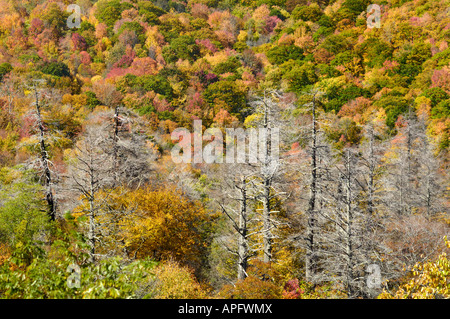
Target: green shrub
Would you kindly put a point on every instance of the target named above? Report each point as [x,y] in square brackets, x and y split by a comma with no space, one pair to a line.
[279,54]
[393,106]
[436,95]
[307,13]
[5,68]
[442,110]
[56,68]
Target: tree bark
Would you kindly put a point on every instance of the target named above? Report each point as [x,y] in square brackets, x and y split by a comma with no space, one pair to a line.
[267,181]
[243,252]
[44,159]
[349,229]
[310,262]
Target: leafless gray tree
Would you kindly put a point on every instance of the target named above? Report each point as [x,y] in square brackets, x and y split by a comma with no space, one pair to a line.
[311,169]
[238,206]
[273,121]
[111,157]
[44,164]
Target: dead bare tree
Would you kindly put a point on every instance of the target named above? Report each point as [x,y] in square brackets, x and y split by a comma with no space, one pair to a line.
[125,143]
[371,153]
[88,174]
[311,169]
[343,252]
[414,177]
[413,201]
[402,166]
[432,185]
[111,157]
[237,207]
[407,240]
[273,132]
[45,162]
[310,260]
[233,190]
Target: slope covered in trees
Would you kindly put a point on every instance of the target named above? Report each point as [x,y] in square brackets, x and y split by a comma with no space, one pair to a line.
[88,184]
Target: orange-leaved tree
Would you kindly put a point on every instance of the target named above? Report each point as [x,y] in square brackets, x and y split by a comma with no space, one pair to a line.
[262,282]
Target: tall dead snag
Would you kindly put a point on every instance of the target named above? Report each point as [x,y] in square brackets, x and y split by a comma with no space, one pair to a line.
[44,158]
[272,126]
[115,138]
[233,190]
[110,159]
[347,226]
[343,253]
[310,261]
[413,174]
[242,230]
[317,151]
[371,151]
[125,143]
[240,218]
[414,202]
[268,169]
[88,174]
[432,183]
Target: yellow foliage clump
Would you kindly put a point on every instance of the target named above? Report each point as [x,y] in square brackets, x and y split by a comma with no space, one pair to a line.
[261,12]
[154,39]
[77,100]
[242,36]
[165,224]
[173,281]
[430,280]
[217,58]
[96,78]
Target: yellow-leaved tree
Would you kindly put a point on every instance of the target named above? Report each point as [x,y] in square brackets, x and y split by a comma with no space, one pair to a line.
[173,281]
[164,224]
[431,280]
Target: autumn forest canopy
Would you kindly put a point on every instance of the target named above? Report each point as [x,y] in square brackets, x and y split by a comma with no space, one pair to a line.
[92,204]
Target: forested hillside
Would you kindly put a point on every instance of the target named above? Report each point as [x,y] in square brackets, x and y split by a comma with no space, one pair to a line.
[93,204]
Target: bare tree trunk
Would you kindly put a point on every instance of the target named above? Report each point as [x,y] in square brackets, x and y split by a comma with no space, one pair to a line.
[343,238]
[349,228]
[243,246]
[240,220]
[428,195]
[91,198]
[310,262]
[267,181]
[371,182]
[406,208]
[267,224]
[115,144]
[87,176]
[91,231]
[44,160]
